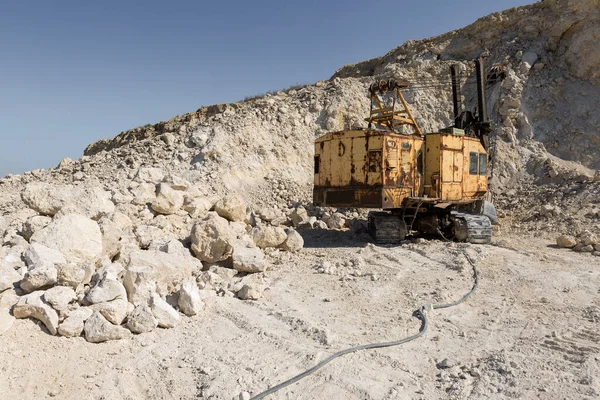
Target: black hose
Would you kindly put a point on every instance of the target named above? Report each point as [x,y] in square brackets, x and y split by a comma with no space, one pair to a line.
[420,314]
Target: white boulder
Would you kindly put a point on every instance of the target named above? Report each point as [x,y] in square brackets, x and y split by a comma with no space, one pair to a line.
[33,305]
[268,236]
[8,277]
[294,241]
[47,199]
[247,259]
[73,325]
[141,319]
[248,292]
[177,182]
[111,237]
[77,237]
[212,239]
[151,175]
[298,215]
[231,208]
[97,329]
[39,277]
[143,194]
[335,220]
[166,315]
[106,290]
[588,238]
[59,297]
[114,311]
[168,200]
[197,207]
[73,274]
[170,270]
[190,301]
[140,283]
[149,236]
[37,255]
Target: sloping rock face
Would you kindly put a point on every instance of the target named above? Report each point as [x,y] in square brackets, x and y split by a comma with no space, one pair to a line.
[544,112]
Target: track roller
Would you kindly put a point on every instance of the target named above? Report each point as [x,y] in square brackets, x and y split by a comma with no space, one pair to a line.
[386,228]
[472,228]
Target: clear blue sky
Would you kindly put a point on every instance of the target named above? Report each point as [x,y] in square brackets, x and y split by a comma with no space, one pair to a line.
[73,72]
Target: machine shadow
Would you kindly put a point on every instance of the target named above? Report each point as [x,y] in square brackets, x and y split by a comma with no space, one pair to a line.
[329,238]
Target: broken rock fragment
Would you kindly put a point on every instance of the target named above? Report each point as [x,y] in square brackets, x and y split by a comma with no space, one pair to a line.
[39,277]
[248,292]
[566,241]
[34,224]
[48,199]
[139,283]
[335,220]
[59,297]
[77,237]
[589,239]
[231,208]
[111,237]
[168,201]
[97,329]
[212,239]
[114,311]
[106,290]
[268,236]
[8,277]
[298,215]
[190,302]
[294,241]
[583,248]
[73,274]
[141,320]
[151,175]
[166,315]
[37,255]
[73,325]
[247,259]
[33,305]
[169,270]
[197,207]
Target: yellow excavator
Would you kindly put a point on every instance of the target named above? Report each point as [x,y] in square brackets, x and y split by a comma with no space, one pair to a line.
[428,183]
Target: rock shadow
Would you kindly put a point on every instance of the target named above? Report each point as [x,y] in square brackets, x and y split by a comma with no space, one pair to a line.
[329,238]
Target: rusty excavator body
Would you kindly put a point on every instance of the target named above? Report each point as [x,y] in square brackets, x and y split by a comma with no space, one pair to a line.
[428,183]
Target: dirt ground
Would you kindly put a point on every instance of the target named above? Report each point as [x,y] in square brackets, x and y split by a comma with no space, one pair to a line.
[530,331]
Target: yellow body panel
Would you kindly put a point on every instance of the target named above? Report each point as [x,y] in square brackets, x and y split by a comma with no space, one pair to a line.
[382,169]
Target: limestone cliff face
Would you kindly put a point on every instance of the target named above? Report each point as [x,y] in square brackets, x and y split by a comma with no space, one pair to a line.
[545,111]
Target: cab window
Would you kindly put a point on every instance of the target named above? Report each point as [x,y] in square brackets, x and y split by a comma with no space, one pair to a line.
[473,161]
[477,163]
[482,164]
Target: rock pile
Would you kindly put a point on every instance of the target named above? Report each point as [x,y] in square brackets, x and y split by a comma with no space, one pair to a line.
[85,261]
[543,110]
[205,197]
[586,242]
